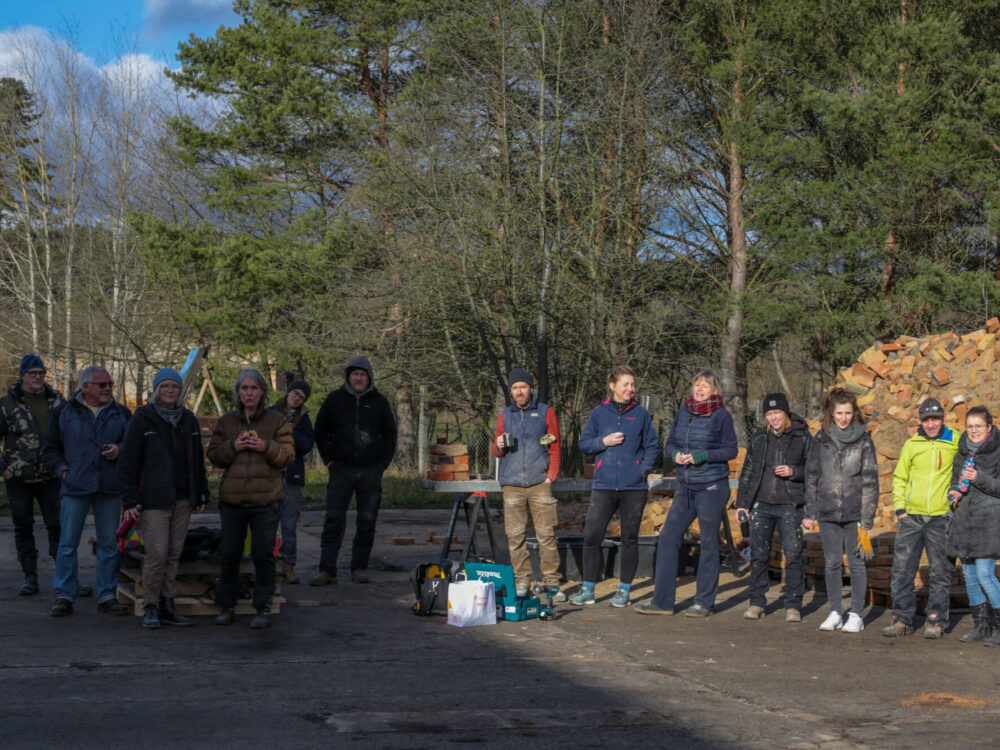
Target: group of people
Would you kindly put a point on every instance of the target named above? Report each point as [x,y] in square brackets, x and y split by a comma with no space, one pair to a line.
[90,453]
[946,493]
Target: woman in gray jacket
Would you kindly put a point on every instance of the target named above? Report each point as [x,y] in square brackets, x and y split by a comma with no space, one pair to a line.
[842,494]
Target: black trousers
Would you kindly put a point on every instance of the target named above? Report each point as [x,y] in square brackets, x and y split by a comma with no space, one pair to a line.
[365,484]
[263,524]
[603,504]
[21,497]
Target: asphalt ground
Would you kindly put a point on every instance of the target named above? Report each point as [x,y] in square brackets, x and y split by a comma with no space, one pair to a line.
[348,665]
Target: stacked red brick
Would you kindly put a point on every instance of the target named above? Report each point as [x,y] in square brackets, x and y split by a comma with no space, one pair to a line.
[448,462]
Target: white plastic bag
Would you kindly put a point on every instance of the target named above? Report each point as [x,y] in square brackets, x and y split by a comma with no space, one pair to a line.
[471,603]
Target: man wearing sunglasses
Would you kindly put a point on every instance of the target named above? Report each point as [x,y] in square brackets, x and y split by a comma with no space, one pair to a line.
[81,448]
[24,414]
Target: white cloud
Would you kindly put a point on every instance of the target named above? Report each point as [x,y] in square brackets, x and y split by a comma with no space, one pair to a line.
[166,14]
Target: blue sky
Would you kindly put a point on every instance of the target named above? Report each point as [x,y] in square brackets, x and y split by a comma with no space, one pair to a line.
[103,30]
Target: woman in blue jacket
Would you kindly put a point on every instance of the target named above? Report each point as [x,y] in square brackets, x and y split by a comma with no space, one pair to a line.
[620,436]
[702,442]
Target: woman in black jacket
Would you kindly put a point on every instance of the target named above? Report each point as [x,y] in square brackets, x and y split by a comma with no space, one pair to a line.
[974,531]
[771,494]
[842,494]
[161,470]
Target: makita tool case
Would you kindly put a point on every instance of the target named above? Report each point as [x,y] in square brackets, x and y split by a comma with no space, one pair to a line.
[509,606]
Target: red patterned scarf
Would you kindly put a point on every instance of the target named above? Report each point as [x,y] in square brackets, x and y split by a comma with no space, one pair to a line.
[703,408]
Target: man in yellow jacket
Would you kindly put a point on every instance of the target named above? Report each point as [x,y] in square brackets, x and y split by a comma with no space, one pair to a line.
[920,496]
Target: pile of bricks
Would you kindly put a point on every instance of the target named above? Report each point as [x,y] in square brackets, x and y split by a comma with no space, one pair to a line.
[892,379]
[448,462]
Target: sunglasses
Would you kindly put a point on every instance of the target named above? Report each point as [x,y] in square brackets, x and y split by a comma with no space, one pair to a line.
[103,384]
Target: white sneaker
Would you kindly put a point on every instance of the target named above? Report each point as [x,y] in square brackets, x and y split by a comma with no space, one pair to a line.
[832,622]
[854,623]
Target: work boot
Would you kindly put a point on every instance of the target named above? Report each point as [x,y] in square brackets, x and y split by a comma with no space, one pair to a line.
[225,617]
[359,576]
[753,612]
[169,614]
[323,579]
[114,607]
[933,628]
[30,585]
[898,629]
[262,619]
[151,618]
[61,608]
[793,615]
[981,629]
[289,570]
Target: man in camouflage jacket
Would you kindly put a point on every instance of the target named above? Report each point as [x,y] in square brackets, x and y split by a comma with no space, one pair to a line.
[24,413]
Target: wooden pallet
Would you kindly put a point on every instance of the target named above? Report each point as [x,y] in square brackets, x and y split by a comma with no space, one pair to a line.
[193,606]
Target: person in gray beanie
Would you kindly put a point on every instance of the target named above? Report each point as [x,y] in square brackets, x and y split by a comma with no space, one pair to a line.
[161,470]
[356,437]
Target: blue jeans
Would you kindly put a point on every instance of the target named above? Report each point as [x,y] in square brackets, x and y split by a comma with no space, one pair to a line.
[72,514]
[291,507]
[981,581]
[707,505]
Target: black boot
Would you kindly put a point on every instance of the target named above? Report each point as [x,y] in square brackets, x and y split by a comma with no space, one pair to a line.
[981,629]
[30,585]
[151,620]
[994,624]
[170,615]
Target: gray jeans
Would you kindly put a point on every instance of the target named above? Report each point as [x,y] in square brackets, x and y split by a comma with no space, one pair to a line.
[917,534]
[840,539]
[291,507]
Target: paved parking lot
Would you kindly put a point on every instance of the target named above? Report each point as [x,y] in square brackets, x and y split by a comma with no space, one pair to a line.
[349,666]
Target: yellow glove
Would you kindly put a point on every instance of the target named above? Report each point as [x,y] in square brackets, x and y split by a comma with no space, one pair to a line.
[865,544]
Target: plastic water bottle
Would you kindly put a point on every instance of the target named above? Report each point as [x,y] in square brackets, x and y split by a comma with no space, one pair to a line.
[963,483]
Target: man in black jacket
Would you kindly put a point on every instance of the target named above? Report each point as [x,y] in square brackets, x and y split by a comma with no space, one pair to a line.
[356,437]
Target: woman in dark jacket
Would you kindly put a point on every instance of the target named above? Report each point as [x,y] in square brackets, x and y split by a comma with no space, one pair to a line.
[161,470]
[974,531]
[842,494]
[702,442]
[253,444]
[772,493]
[619,434]
[293,406]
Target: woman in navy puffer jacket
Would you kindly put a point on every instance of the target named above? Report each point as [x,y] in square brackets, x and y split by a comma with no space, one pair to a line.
[620,436]
[702,442]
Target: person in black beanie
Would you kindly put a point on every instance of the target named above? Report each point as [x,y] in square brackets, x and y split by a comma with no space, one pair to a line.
[772,494]
[293,406]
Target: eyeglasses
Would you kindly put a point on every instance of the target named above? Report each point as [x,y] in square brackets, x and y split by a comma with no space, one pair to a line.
[36,373]
[976,427]
[103,384]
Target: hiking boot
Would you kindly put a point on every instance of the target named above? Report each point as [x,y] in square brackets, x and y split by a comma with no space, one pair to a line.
[521,592]
[898,629]
[226,616]
[620,599]
[84,591]
[260,621]
[648,608]
[323,579]
[61,608]
[981,629]
[584,597]
[359,576]
[151,618]
[696,610]
[753,612]
[169,614]
[932,627]
[853,623]
[113,607]
[832,622]
[30,586]
[289,570]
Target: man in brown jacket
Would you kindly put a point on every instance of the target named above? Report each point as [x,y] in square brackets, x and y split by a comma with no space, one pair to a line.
[253,444]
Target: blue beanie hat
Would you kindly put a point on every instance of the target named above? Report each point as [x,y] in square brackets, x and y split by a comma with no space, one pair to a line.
[31,362]
[164,374]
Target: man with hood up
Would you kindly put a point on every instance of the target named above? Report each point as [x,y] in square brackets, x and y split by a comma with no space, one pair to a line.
[772,492]
[356,438]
